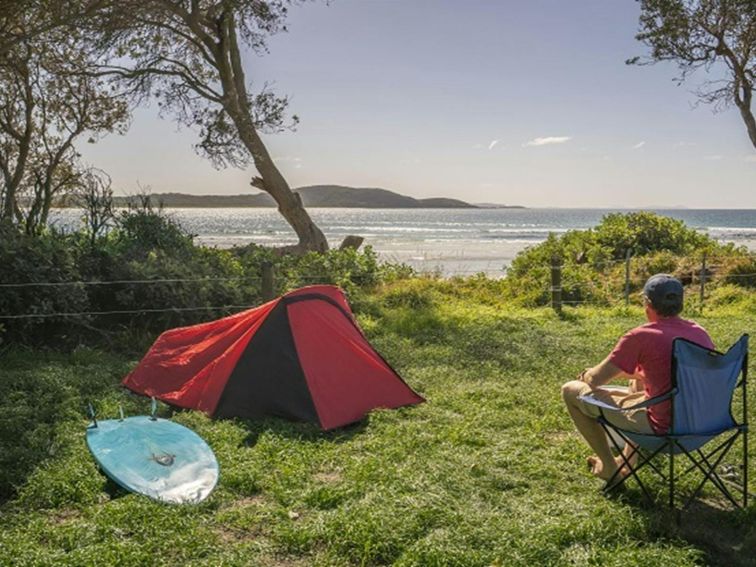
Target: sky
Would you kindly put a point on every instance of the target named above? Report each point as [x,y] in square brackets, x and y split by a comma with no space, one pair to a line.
[502,101]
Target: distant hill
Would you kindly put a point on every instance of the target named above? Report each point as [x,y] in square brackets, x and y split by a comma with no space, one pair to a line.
[312,196]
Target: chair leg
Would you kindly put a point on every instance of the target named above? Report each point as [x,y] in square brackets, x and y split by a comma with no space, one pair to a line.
[714,477]
[672,476]
[711,473]
[611,484]
[708,455]
[745,467]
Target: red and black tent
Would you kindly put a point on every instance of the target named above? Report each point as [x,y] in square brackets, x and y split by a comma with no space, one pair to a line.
[301,357]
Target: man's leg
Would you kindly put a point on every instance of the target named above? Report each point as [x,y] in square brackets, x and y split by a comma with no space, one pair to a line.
[589,428]
[635,396]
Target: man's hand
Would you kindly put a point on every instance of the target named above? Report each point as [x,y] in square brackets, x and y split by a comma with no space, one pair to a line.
[599,374]
[585,376]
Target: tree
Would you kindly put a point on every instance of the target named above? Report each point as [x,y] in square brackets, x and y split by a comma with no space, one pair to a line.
[22,20]
[699,34]
[187,54]
[47,102]
[94,195]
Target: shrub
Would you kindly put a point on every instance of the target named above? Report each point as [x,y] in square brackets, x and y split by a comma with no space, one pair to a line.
[645,232]
[740,271]
[148,274]
[349,269]
[143,231]
[48,258]
[593,260]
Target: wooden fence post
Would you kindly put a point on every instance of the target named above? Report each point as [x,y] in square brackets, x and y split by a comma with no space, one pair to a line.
[628,254]
[556,283]
[267,286]
[703,278]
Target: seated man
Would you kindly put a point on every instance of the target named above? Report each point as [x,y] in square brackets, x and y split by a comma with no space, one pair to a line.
[643,355]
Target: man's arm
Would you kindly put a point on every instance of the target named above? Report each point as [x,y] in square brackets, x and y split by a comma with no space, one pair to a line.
[601,374]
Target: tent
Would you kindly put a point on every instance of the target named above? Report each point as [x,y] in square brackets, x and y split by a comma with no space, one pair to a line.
[301,357]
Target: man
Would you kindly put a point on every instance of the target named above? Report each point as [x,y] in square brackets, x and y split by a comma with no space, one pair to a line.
[643,355]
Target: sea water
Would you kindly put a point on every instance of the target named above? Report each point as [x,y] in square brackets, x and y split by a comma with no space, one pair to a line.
[449,241]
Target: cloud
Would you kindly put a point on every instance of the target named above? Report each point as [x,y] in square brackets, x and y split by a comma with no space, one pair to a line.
[639,145]
[713,158]
[548,140]
[492,144]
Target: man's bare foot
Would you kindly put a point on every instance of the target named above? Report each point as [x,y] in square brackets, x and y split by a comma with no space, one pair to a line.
[597,467]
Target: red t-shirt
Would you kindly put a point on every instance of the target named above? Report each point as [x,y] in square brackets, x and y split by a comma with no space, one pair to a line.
[647,351]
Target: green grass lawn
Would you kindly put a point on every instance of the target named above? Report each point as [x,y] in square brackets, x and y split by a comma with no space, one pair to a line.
[488,472]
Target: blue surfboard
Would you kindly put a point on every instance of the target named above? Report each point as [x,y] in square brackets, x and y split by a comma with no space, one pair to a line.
[155,457]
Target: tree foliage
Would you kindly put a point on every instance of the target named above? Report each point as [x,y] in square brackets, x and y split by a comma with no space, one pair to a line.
[25,20]
[714,35]
[94,196]
[48,101]
[187,54]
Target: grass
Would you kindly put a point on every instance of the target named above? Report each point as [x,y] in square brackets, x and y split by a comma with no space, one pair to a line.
[488,472]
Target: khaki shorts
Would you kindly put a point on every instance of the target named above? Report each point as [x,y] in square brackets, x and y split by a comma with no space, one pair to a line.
[633,420]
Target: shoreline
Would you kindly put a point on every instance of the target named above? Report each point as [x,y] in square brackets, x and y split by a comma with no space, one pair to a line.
[449,241]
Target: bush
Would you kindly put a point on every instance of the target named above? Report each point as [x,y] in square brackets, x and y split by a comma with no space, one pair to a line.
[143,231]
[154,277]
[349,269]
[645,232]
[48,258]
[741,271]
[592,260]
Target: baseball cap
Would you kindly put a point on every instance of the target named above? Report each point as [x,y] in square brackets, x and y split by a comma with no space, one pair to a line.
[663,290]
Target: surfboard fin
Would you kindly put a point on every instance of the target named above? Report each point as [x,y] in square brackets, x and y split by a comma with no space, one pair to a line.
[91,413]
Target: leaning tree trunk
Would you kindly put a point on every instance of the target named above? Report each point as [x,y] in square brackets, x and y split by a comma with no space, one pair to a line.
[750,122]
[236,104]
[272,182]
[743,92]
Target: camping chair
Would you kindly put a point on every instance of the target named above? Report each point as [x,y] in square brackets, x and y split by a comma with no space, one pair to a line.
[703,386]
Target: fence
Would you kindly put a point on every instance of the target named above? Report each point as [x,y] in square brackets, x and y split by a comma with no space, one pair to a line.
[699,279]
[559,293]
[266,282]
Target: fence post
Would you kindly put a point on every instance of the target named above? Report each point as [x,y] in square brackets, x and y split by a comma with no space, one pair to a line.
[556,283]
[628,254]
[703,278]
[267,287]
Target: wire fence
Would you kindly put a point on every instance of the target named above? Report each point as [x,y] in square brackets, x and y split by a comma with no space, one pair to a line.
[700,274]
[265,284]
[561,289]
[125,282]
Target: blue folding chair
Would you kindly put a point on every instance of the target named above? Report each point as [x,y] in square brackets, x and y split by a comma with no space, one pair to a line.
[703,386]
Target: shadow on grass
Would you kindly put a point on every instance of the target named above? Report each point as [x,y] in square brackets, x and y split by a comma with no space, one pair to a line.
[40,392]
[113,489]
[726,535]
[305,432]
[280,427]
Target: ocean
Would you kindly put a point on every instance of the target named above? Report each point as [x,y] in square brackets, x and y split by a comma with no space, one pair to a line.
[450,241]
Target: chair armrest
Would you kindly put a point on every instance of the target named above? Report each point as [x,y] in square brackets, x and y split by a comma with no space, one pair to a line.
[589,399]
[615,389]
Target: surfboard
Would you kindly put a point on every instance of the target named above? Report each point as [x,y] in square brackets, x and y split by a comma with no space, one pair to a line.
[155,457]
